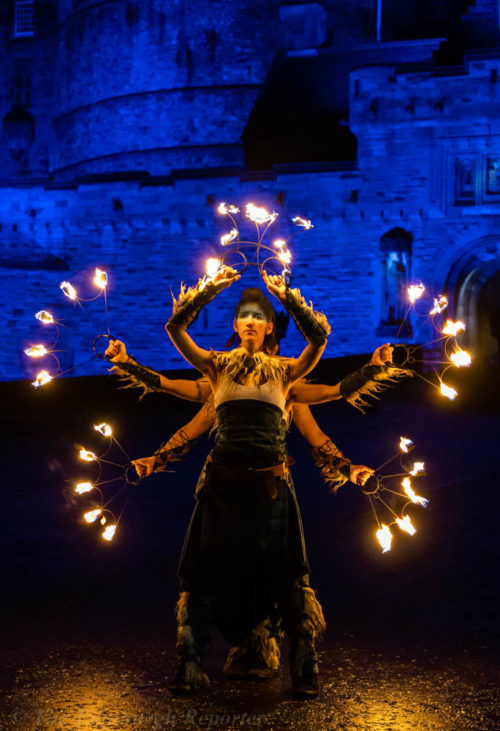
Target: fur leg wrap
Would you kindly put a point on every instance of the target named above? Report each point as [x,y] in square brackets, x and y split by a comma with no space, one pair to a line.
[265,644]
[305,623]
[135,375]
[312,324]
[335,468]
[193,623]
[369,381]
[190,302]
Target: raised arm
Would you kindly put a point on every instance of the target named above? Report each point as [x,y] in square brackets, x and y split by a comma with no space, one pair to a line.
[136,375]
[179,443]
[185,311]
[335,468]
[312,324]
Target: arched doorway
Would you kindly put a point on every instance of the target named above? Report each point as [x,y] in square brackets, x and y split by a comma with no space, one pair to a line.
[473,287]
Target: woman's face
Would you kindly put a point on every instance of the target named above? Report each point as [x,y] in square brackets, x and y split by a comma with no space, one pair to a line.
[252,325]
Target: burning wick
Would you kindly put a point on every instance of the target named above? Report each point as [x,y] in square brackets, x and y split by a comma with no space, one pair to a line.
[415,291]
[92,515]
[406,485]
[440,304]
[384,537]
[405,444]
[36,351]
[448,391]
[87,456]
[41,379]
[100,279]
[227,238]
[460,358]
[212,267]
[406,525]
[109,532]
[304,222]
[453,328]
[418,467]
[103,429]
[260,215]
[45,317]
[68,290]
[83,487]
[225,209]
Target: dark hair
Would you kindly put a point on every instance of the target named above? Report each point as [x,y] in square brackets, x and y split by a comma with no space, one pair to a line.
[253,294]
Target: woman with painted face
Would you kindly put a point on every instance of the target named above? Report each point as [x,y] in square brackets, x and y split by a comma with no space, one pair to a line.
[244,550]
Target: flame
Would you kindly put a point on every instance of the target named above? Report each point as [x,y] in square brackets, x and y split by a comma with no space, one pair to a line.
[212,267]
[448,391]
[417,468]
[284,254]
[460,358]
[83,487]
[109,532]
[42,378]
[87,456]
[406,525]
[68,290]
[100,279]
[103,520]
[304,222]
[406,484]
[415,291]
[103,429]
[45,317]
[260,215]
[440,304]
[405,444]
[92,515]
[36,351]
[384,537]
[225,209]
[453,328]
[227,238]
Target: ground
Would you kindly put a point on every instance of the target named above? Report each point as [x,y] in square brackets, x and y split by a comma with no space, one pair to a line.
[90,626]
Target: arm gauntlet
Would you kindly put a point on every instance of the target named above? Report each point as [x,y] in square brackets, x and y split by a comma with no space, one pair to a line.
[335,468]
[190,302]
[172,451]
[135,375]
[312,324]
[369,381]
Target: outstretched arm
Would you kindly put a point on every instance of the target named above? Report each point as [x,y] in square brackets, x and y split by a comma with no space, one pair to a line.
[186,310]
[139,376]
[319,393]
[336,469]
[179,443]
[313,325]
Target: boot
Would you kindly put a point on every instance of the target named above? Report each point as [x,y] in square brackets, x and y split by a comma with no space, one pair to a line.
[193,613]
[304,667]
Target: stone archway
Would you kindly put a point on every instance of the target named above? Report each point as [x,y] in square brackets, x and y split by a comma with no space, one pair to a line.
[473,286]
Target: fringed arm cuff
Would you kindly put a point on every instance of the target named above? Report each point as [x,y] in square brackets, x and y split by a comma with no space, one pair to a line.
[335,468]
[312,324]
[370,380]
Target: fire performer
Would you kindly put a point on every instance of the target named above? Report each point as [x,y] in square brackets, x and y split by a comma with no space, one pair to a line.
[245,538]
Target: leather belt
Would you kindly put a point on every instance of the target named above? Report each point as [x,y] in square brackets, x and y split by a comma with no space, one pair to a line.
[267,473]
